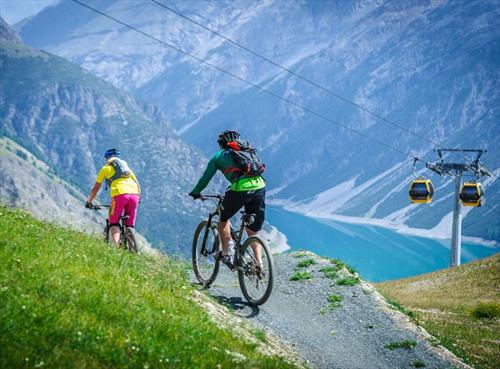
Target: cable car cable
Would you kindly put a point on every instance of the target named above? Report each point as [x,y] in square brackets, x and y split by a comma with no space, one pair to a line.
[263,89]
[311,82]
[248,82]
[492,208]
[300,76]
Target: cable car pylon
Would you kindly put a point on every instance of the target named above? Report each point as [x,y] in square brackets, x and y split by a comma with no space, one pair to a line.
[470,194]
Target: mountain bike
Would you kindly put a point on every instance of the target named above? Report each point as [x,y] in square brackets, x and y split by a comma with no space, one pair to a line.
[256,280]
[127,237]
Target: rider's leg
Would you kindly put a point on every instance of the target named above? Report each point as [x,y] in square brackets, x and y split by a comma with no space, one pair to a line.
[115,234]
[256,205]
[225,236]
[130,209]
[233,201]
[255,246]
[115,211]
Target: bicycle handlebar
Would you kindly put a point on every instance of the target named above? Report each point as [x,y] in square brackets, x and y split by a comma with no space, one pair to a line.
[210,196]
[98,206]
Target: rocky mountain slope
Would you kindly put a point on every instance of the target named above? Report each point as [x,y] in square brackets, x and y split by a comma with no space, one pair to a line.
[67,118]
[428,66]
[7,33]
[29,183]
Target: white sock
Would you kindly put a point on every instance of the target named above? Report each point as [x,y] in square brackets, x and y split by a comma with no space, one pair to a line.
[230,248]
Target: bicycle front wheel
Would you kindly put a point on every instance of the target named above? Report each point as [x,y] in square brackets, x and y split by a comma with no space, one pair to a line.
[107,233]
[205,248]
[256,279]
[129,241]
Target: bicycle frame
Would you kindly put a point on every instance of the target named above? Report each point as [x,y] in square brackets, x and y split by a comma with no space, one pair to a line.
[237,236]
[255,276]
[108,226]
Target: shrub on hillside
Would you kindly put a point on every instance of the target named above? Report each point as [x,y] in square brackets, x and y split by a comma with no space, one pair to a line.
[486,311]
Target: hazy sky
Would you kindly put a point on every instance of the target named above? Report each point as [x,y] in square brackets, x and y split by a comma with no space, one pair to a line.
[15,10]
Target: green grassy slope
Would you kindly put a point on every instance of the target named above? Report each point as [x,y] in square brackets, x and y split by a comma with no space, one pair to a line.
[459,306]
[70,301]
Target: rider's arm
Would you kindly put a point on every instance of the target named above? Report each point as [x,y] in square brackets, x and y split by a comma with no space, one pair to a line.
[94,191]
[98,182]
[207,175]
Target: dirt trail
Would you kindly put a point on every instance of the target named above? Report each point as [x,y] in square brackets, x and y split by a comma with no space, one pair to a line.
[352,335]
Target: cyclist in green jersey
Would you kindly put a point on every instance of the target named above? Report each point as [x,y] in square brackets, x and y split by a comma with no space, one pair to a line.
[245,191]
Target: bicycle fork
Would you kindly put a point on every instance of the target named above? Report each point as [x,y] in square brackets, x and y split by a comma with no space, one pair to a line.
[204,252]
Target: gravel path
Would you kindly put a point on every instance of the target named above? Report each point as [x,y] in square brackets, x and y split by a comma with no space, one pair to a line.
[352,335]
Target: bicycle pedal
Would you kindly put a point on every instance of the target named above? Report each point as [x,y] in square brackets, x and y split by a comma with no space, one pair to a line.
[227,260]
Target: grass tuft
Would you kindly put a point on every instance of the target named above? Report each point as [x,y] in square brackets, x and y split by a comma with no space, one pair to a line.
[418,364]
[348,281]
[334,300]
[300,254]
[329,271]
[260,334]
[300,275]
[340,265]
[406,344]
[486,311]
[397,306]
[306,263]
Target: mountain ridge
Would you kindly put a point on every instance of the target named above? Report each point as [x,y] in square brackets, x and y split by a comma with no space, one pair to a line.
[415,63]
[50,106]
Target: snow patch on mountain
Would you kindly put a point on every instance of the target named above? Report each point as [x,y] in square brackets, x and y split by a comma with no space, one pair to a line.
[276,240]
[333,199]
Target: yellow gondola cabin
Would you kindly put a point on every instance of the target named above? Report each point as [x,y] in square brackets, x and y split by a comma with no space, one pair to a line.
[472,194]
[421,191]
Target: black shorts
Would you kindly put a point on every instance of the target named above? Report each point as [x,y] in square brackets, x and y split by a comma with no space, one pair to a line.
[253,201]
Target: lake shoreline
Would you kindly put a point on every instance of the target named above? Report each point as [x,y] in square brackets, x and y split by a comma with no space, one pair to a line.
[377,253]
[433,233]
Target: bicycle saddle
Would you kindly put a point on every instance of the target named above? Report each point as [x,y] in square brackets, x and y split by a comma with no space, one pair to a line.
[249,218]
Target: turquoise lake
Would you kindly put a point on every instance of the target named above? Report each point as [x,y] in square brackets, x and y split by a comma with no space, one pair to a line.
[377,253]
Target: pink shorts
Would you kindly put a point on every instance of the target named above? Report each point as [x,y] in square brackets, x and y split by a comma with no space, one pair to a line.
[120,204]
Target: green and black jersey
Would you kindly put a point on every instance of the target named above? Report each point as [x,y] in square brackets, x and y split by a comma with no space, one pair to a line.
[224,162]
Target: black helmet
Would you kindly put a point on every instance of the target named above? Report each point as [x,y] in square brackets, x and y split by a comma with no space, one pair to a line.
[227,136]
[110,153]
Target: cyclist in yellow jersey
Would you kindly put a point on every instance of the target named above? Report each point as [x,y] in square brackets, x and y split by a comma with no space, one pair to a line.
[125,191]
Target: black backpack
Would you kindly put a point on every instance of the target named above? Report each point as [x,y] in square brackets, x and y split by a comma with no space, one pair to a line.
[248,162]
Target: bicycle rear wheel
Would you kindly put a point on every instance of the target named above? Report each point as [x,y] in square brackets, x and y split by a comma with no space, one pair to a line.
[256,281]
[129,241]
[205,248]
